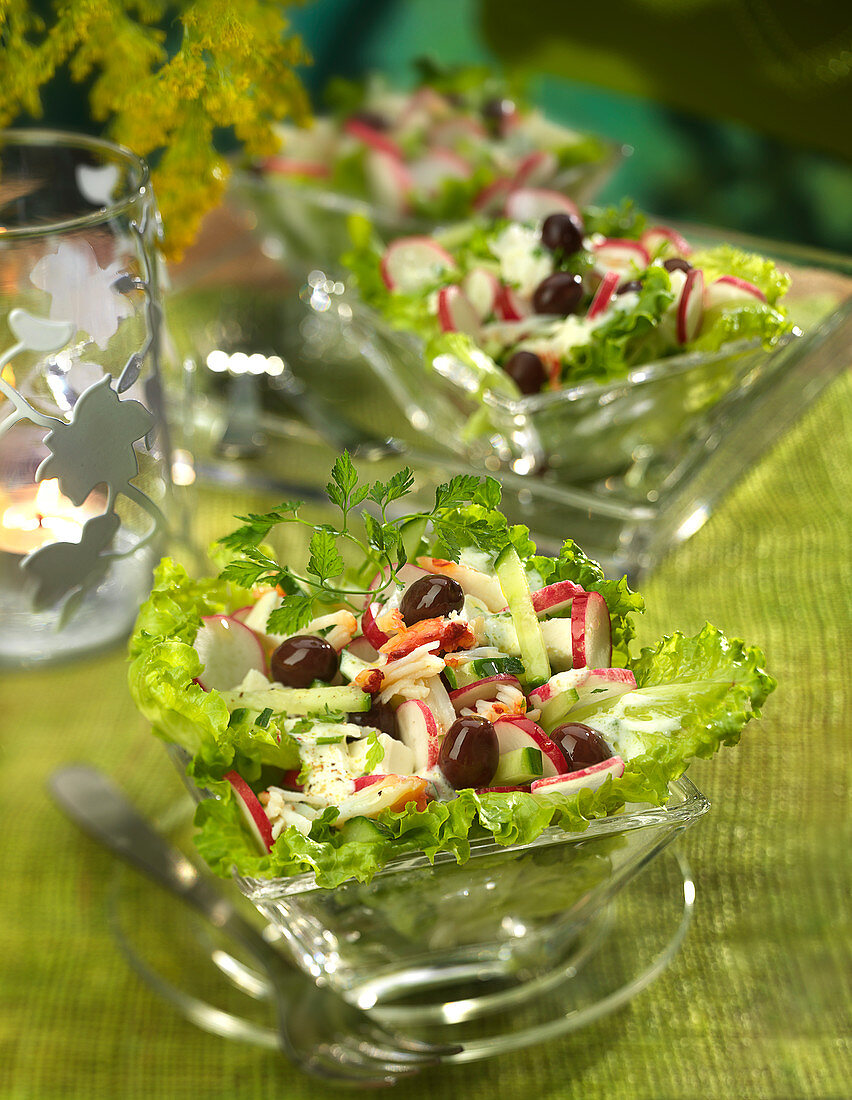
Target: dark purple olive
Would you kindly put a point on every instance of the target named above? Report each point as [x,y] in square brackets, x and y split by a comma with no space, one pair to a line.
[430,598]
[469,752]
[300,660]
[380,716]
[372,119]
[560,293]
[497,113]
[677,263]
[526,370]
[580,745]
[562,233]
[632,284]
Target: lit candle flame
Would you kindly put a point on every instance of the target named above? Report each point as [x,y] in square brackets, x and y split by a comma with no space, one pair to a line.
[44,517]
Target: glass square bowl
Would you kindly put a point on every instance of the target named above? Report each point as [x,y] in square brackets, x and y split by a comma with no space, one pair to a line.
[500,925]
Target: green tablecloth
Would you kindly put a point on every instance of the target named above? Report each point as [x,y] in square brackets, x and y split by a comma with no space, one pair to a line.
[755,1005]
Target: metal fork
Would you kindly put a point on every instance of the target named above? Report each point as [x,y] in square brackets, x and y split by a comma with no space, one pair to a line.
[318,1030]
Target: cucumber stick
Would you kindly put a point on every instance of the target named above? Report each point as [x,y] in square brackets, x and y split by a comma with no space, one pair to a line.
[310,701]
[518,766]
[513,580]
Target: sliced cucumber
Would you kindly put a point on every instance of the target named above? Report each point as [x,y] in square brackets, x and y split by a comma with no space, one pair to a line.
[309,701]
[516,588]
[350,665]
[518,766]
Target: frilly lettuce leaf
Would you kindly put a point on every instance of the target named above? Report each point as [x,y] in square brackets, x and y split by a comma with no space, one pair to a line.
[747,322]
[724,259]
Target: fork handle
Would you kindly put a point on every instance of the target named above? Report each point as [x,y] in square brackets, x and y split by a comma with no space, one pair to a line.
[99,808]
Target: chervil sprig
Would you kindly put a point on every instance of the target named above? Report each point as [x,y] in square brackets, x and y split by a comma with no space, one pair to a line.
[464,514]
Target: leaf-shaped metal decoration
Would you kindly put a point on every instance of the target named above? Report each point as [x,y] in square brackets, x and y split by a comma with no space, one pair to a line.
[38,333]
[131,372]
[61,568]
[96,445]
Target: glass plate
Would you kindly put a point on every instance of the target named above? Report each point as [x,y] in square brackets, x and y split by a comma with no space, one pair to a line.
[625,948]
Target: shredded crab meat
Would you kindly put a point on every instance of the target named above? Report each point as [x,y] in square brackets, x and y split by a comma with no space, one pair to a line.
[509,701]
[286,808]
[448,633]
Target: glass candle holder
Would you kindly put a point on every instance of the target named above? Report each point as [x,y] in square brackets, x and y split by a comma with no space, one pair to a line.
[83,440]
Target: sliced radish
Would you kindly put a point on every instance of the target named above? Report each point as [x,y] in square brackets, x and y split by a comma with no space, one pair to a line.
[620,254]
[492,198]
[430,171]
[375,637]
[252,811]
[690,309]
[522,733]
[664,241]
[390,181]
[390,792]
[456,312]
[603,294]
[229,650]
[374,138]
[412,263]
[469,695]
[536,169]
[731,290]
[288,166]
[558,638]
[362,781]
[242,613]
[502,790]
[511,306]
[529,204]
[423,105]
[455,131]
[563,683]
[592,688]
[418,729]
[362,648]
[555,598]
[482,288]
[474,583]
[591,631]
[587,778]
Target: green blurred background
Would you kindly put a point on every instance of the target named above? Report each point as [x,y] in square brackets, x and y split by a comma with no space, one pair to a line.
[738,111]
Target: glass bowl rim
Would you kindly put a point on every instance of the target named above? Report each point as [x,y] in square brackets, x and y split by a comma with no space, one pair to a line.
[692,805]
[138,185]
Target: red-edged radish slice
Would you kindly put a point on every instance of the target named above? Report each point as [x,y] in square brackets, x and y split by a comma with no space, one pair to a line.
[591,631]
[664,241]
[482,288]
[362,781]
[620,254]
[374,138]
[252,811]
[511,306]
[529,204]
[389,180]
[418,730]
[375,637]
[431,170]
[229,650]
[456,312]
[586,778]
[555,598]
[362,648]
[561,696]
[456,131]
[536,169]
[502,790]
[289,166]
[242,613]
[411,263]
[604,293]
[731,290]
[690,309]
[389,792]
[518,732]
[469,695]
[479,585]
[492,198]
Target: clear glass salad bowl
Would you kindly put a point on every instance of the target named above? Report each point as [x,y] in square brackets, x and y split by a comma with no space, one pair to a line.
[494,930]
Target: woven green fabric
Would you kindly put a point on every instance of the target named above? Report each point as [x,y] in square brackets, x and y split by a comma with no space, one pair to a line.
[755,1005]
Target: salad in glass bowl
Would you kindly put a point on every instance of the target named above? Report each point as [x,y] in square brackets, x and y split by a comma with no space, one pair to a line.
[457,144]
[590,342]
[425,699]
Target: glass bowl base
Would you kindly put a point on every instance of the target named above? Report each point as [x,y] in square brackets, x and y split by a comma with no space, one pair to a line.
[620,952]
